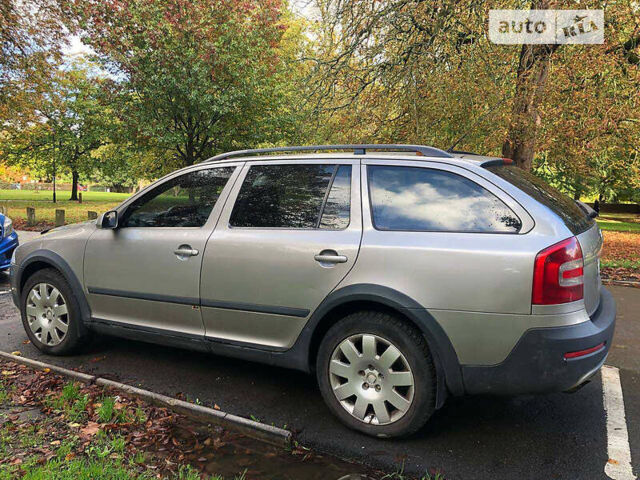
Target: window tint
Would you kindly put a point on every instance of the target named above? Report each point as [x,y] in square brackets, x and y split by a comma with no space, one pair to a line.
[291,196]
[422,199]
[335,215]
[185,201]
[574,218]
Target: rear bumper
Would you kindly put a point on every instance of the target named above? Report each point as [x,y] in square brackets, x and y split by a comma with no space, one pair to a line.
[537,363]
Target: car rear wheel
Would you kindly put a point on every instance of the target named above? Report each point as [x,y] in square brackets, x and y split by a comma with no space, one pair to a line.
[50,313]
[376,374]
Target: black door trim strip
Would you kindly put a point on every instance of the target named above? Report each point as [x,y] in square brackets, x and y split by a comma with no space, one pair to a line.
[254,307]
[154,297]
[246,307]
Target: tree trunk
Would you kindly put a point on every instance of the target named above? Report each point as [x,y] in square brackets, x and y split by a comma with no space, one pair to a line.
[74,185]
[533,69]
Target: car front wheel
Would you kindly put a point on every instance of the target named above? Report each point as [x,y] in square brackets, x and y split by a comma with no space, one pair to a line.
[50,313]
[376,374]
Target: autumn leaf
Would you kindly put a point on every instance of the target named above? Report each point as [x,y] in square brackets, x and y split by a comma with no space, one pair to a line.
[90,430]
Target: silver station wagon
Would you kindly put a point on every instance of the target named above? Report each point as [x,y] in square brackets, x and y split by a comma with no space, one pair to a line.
[399,274]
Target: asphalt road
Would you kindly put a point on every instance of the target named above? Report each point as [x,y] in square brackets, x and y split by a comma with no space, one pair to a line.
[554,436]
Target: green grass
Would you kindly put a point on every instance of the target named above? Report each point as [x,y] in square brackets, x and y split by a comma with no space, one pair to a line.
[71,402]
[619,226]
[626,263]
[45,196]
[18,200]
[108,413]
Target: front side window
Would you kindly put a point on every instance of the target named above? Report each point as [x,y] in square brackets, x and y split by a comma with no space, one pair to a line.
[424,199]
[294,196]
[184,201]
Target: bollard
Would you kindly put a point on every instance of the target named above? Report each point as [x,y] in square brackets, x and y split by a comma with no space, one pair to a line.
[31,216]
[59,218]
[79,197]
[92,215]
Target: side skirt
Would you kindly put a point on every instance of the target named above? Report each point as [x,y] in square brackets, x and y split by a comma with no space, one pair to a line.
[276,357]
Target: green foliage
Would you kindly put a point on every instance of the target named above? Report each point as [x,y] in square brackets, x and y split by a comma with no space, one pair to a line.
[71,402]
[72,124]
[108,413]
[194,77]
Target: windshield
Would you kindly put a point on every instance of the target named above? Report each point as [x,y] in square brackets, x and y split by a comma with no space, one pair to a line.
[573,216]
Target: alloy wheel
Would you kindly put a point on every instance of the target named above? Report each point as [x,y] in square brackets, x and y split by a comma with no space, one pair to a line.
[47,314]
[371,379]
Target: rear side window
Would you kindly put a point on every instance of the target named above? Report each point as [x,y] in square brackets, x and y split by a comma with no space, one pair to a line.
[424,199]
[294,196]
[574,218]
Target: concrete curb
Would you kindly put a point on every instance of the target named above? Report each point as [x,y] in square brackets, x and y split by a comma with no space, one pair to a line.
[260,431]
[81,377]
[621,283]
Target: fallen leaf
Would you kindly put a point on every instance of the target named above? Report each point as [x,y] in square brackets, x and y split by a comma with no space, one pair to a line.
[74,425]
[16,353]
[55,442]
[216,407]
[26,342]
[612,461]
[8,372]
[46,370]
[90,430]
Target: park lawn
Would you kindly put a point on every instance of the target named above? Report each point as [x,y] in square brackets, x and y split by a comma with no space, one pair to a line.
[619,222]
[621,255]
[17,202]
[618,226]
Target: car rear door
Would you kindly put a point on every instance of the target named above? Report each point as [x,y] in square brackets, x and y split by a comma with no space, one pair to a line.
[146,273]
[288,235]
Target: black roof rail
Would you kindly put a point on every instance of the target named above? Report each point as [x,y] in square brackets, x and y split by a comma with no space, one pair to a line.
[358,149]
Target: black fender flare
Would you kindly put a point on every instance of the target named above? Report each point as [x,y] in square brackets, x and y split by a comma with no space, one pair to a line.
[447,364]
[55,261]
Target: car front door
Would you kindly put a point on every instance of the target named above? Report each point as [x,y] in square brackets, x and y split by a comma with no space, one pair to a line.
[288,235]
[146,272]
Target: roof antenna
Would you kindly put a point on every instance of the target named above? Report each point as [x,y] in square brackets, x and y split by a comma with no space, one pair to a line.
[477,120]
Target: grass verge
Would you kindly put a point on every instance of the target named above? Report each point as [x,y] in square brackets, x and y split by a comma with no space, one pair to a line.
[17,202]
[54,429]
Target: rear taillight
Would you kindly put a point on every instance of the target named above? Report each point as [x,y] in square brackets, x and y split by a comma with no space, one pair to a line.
[558,274]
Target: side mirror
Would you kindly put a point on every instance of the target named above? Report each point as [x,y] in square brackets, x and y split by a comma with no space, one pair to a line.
[109,220]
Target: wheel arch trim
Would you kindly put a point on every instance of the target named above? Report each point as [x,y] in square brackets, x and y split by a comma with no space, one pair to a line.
[445,357]
[55,261]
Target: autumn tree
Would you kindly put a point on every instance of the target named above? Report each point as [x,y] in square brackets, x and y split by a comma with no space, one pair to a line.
[194,77]
[72,124]
[422,72]
[32,34]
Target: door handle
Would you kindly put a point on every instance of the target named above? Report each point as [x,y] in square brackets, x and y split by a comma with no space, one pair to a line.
[330,258]
[184,251]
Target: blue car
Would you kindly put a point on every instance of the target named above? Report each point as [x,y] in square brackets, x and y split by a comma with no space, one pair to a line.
[8,243]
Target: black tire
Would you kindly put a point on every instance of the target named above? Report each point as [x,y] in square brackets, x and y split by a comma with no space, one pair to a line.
[411,344]
[72,339]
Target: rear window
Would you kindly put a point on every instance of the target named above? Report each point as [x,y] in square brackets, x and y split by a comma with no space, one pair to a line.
[573,216]
[429,200]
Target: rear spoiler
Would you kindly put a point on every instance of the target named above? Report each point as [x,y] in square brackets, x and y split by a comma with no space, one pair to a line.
[591,213]
[496,161]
